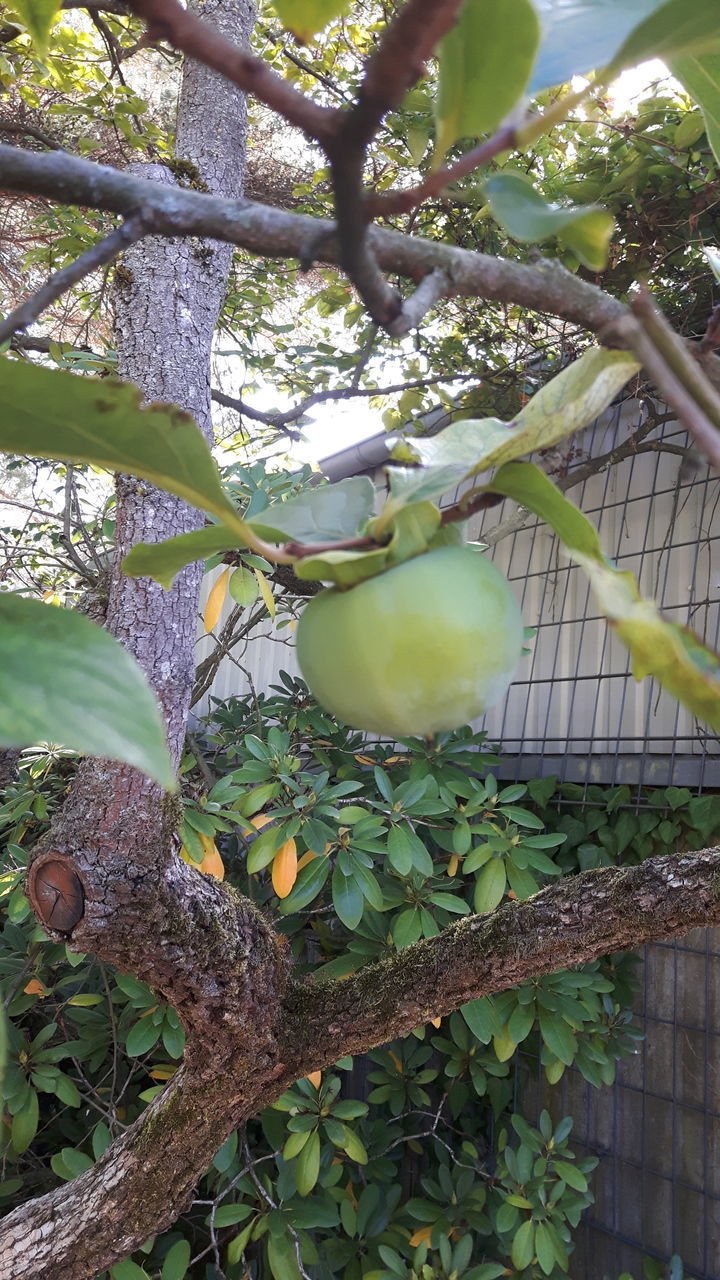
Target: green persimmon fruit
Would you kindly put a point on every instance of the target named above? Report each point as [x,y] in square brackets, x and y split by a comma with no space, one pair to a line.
[425,646]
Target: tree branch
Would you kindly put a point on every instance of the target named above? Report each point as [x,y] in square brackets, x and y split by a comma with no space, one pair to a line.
[544,287]
[145,1178]
[99,255]
[167,20]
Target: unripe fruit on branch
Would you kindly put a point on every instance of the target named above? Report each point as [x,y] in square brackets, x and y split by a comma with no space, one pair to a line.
[425,646]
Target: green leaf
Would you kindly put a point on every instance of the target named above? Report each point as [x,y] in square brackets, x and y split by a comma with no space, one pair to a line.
[528,218]
[485,64]
[570,1174]
[700,74]
[243,586]
[482,1018]
[490,886]
[128,1270]
[282,1258]
[342,568]
[523,1245]
[49,413]
[164,560]
[326,513]
[677,27]
[307,886]
[581,35]
[353,1146]
[38,16]
[544,1249]
[558,1036]
[177,1261]
[3,1046]
[307,1165]
[306,17]
[668,652]
[65,680]
[25,1123]
[571,400]
[348,899]
[400,853]
[142,1037]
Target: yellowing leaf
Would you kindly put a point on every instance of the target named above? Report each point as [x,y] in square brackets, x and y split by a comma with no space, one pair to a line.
[163,1073]
[436,1021]
[212,864]
[315,1078]
[215,601]
[453,865]
[285,868]
[307,857]
[306,17]
[265,591]
[36,988]
[421,1236]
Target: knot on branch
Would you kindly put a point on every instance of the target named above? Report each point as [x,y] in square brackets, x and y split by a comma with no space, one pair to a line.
[56,892]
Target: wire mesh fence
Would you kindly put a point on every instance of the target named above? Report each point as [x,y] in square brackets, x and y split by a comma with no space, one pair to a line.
[575,712]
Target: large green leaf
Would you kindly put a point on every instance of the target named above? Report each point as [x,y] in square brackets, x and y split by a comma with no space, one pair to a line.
[485,65]
[38,16]
[306,17]
[700,74]
[676,27]
[329,513]
[65,680]
[523,213]
[50,413]
[668,652]
[564,405]
[580,35]
[164,560]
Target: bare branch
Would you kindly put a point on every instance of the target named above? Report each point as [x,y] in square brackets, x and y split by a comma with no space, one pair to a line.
[106,250]
[544,287]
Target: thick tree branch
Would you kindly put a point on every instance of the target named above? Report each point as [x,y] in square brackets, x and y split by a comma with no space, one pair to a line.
[545,287]
[146,1177]
[572,922]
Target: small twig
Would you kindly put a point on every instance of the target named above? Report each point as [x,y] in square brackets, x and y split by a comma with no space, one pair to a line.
[399,61]
[281,419]
[672,390]
[432,288]
[168,21]
[22,129]
[388,202]
[468,506]
[133,229]
[301,550]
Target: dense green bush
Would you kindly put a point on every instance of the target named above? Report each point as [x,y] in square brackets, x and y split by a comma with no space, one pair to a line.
[416,1161]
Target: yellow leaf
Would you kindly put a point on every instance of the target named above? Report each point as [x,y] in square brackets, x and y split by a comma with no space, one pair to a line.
[365,760]
[396,1062]
[261,820]
[36,988]
[265,591]
[421,1236]
[285,868]
[215,601]
[315,1078]
[212,864]
[436,1021]
[163,1073]
[302,862]
[453,865]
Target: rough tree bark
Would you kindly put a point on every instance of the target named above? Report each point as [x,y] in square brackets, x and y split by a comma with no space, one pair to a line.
[108,876]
